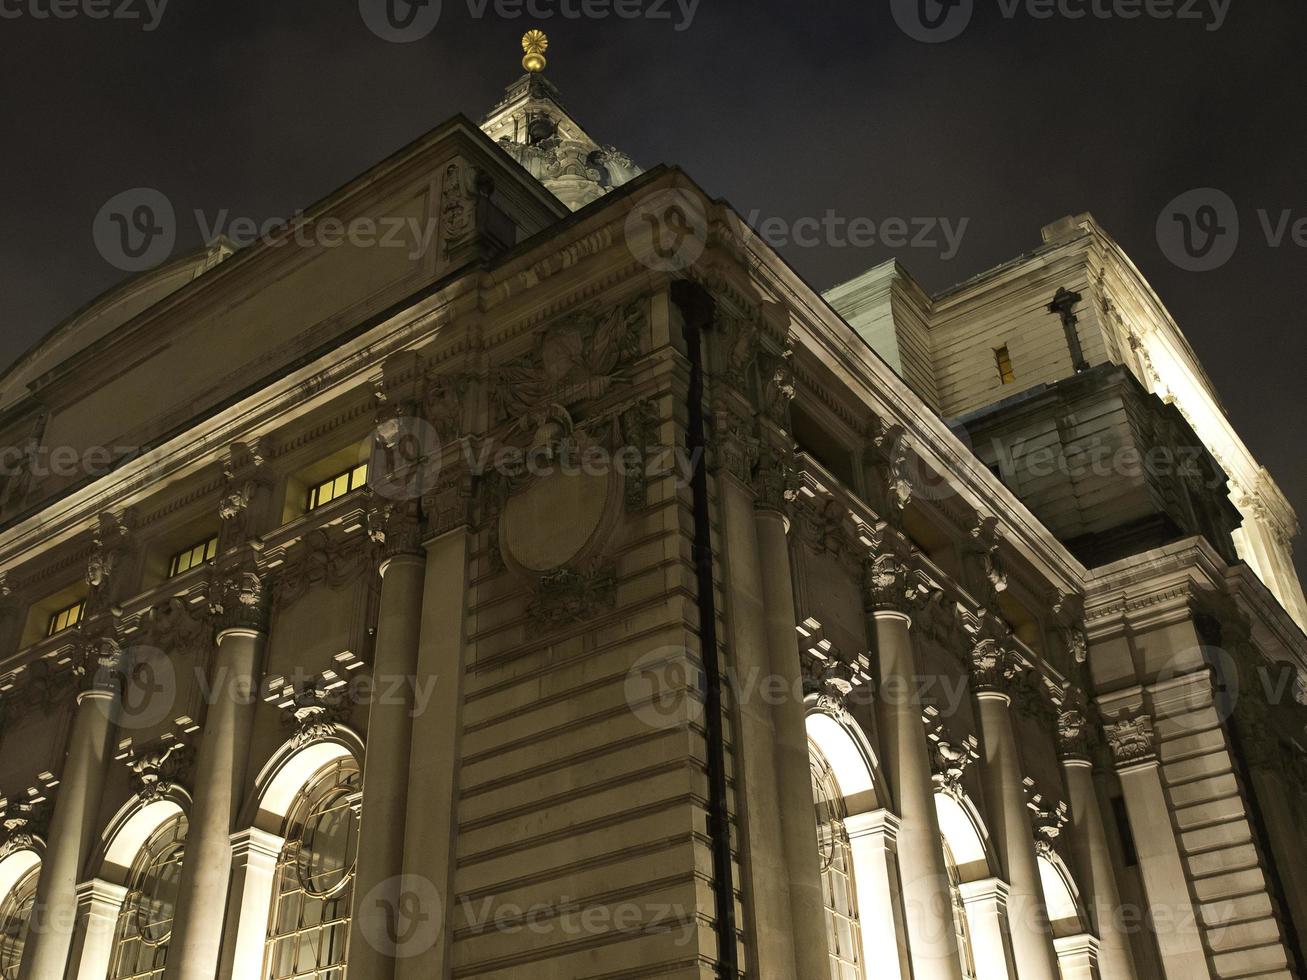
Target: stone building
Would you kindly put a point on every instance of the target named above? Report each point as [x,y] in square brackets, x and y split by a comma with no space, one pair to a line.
[586,596]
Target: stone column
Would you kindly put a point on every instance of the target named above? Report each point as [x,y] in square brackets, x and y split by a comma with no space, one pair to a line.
[905,760]
[1009,817]
[76,808]
[985,902]
[793,760]
[254,856]
[431,824]
[221,762]
[765,880]
[99,904]
[873,839]
[1088,838]
[1161,866]
[374,936]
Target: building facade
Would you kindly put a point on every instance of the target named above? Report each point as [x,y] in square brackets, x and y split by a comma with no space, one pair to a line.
[586,596]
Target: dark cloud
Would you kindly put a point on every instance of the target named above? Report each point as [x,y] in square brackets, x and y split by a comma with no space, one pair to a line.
[790,109]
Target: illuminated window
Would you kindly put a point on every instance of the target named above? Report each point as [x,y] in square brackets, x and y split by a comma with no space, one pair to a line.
[960,927]
[196,554]
[145,922]
[15,915]
[339,485]
[843,934]
[314,883]
[1004,361]
[66,618]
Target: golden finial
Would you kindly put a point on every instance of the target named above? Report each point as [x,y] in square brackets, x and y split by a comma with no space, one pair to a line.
[535,44]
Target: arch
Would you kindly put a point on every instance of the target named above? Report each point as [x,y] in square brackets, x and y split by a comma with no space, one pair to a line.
[966,836]
[1061,896]
[19,871]
[850,757]
[15,865]
[278,784]
[130,828]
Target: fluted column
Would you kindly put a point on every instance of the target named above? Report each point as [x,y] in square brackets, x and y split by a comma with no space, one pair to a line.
[375,939]
[73,824]
[793,760]
[905,760]
[1088,838]
[1010,823]
[220,769]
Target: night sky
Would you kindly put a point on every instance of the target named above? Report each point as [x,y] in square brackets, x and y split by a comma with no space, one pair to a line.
[786,109]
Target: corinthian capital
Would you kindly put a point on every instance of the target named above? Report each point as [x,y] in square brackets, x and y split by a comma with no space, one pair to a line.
[238,599]
[395,527]
[1131,739]
[887,573]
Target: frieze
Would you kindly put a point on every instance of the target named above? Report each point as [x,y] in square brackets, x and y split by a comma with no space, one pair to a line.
[580,356]
[320,557]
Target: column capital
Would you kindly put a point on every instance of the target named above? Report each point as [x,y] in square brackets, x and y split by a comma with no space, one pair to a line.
[1132,741]
[238,599]
[887,582]
[395,528]
[1073,729]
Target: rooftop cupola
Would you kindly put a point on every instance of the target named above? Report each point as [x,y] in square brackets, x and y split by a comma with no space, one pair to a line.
[533,127]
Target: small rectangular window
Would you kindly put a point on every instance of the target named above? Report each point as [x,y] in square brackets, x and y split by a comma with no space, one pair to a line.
[1004,361]
[339,485]
[196,554]
[66,618]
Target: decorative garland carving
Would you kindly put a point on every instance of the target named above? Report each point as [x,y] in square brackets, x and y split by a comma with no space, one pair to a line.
[1048,820]
[158,770]
[949,758]
[26,823]
[567,596]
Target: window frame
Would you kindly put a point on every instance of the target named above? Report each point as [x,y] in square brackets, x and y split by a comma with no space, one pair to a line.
[1003,360]
[53,629]
[208,549]
[313,495]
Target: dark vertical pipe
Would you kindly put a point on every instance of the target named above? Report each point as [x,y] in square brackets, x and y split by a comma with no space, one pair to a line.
[696,308]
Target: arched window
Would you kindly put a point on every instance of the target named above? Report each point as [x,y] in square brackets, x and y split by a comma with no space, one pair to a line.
[315,878]
[145,922]
[960,927]
[843,934]
[15,915]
